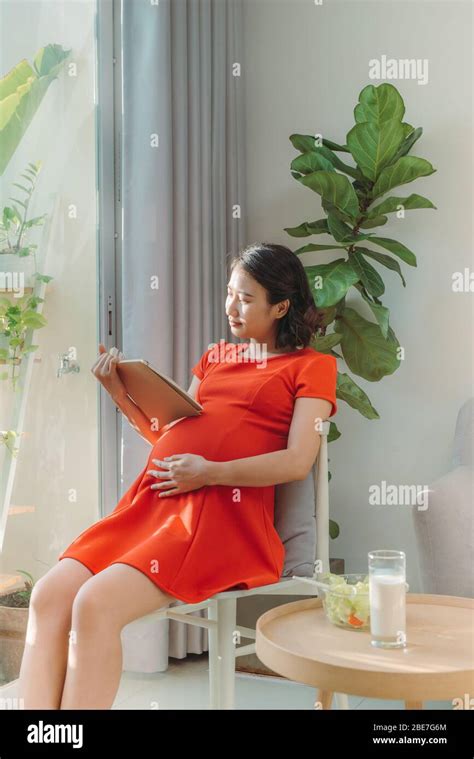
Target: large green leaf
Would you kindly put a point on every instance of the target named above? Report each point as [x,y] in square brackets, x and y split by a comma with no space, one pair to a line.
[333,526]
[374,145]
[391,204]
[337,163]
[377,221]
[379,104]
[326,342]
[305,143]
[409,141]
[336,279]
[405,170]
[326,315]
[333,432]
[397,248]
[308,228]
[21,93]
[342,232]
[32,319]
[335,146]
[331,208]
[381,312]
[348,391]
[335,188]
[369,277]
[312,246]
[383,259]
[366,351]
[338,229]
[309,162]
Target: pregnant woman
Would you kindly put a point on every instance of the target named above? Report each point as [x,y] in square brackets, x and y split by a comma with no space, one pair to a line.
[198,519]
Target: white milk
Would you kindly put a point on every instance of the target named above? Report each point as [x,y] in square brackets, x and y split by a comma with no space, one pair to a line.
[387,596]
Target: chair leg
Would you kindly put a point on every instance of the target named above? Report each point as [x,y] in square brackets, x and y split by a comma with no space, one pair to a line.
[222,653]
[213,657]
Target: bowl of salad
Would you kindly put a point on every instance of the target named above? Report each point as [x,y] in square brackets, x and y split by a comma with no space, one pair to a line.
[345,598]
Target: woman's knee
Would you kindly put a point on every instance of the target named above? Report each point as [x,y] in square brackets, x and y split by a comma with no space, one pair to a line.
[104,602]
[91,606]
[46,596]
[55,591]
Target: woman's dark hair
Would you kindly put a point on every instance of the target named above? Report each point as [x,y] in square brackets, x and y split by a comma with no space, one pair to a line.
[283,276]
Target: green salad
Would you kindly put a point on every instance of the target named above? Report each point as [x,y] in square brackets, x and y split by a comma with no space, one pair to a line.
[346,603]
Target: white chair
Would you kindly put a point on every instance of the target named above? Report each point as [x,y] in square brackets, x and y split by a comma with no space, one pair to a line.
[221,621]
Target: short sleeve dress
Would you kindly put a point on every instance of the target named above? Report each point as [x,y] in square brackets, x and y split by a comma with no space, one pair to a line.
[217,537]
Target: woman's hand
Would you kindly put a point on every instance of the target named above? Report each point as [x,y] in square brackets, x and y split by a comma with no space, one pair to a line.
[183,472]
[105,369]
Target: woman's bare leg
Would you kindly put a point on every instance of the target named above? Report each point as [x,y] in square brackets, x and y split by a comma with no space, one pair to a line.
[106,603]
[43,666]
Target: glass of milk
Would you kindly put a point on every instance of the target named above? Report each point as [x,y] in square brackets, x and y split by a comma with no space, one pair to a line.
[387,598]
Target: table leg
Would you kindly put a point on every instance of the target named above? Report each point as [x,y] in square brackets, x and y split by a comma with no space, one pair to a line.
[324,699]
[413,704]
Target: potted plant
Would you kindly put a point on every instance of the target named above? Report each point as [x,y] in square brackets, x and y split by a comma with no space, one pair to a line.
[21,93]
[17,323]
[354,199]
[17,254]
[14,608]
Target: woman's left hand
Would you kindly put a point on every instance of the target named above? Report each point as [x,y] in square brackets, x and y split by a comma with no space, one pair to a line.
[181,472]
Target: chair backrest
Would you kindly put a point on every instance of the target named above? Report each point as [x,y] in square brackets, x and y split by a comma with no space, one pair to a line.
[301,517]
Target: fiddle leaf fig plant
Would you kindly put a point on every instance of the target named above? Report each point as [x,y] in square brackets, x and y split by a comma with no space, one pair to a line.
[352,198]
[356,199]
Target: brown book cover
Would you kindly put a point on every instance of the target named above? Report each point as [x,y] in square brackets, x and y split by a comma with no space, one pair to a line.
[158,396]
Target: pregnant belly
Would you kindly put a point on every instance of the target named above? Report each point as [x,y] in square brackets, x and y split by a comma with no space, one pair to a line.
[214,437]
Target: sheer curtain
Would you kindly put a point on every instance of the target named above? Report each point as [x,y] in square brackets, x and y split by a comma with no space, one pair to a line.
[182,179]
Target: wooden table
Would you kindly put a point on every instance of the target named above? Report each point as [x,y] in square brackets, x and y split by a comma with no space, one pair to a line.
[297,641]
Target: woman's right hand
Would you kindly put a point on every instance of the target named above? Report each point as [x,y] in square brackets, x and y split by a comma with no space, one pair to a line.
[105,369]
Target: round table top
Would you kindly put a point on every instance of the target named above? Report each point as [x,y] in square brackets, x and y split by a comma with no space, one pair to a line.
[297,641]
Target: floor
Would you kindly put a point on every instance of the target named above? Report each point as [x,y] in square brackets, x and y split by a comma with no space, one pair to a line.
[185,685]
[165,690]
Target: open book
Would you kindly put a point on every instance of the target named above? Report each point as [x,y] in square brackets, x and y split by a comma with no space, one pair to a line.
[154,393]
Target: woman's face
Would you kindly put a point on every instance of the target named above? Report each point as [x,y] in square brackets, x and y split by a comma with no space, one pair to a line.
[249,313]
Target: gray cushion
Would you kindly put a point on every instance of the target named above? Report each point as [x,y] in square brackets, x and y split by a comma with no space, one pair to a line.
[295,523]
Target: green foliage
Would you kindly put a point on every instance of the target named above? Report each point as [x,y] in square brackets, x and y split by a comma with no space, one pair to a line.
[21,93]
[15,322]
[352,198]
[19,319]
[14,223]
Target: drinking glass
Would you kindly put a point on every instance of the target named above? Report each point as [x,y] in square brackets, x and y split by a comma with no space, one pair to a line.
[387,598]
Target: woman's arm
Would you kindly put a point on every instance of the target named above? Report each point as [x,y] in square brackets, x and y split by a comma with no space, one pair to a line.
[291,463]
[266,469]
[137,418]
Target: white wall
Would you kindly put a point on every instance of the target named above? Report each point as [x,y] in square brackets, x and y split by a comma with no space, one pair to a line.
[304,66]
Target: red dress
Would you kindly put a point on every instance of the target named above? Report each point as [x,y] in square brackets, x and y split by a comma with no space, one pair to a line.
[217,537]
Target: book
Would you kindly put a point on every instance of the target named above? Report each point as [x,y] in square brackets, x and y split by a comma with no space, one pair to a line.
[157,395]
